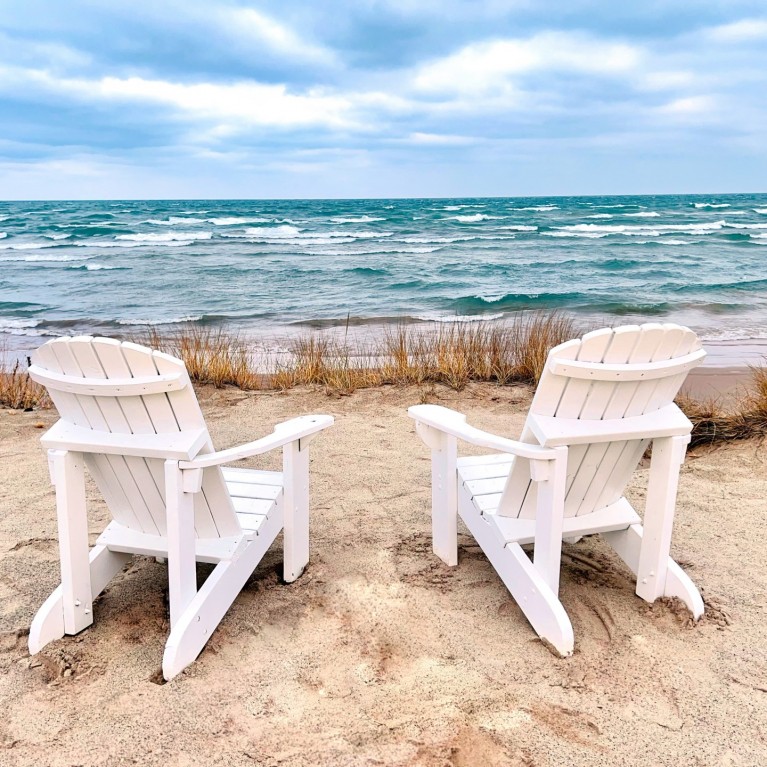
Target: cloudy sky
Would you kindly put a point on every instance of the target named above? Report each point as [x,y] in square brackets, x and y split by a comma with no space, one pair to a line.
[381,98]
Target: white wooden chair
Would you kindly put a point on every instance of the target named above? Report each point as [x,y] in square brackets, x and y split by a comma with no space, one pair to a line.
[600,402]
[130,415]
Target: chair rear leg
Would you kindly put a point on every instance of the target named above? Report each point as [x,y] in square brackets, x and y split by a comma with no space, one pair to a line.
[667,457]
[628,543]
[48,623]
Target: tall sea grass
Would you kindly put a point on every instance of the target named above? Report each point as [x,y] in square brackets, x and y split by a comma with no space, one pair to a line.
[453,354]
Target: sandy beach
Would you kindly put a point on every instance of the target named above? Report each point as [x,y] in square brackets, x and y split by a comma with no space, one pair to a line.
[380,654]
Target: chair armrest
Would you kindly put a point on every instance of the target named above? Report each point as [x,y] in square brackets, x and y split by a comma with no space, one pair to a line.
[669,421]
[180,445]
[454,423]
[284,433]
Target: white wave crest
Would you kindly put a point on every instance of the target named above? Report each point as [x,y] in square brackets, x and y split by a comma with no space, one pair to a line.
[94,267]
[711,204]
[173,321]
[673,242]
[171,220]
[3,235]
[539,208]
[589,235]
[763,211]
[57,236]
[28,245]
[372,252]
[360,220]
[520,228]
[600,215]
[418,240]
[133,244]
[747,226]
[275,232]
[235,220]
[459,317]
[645,231]
[165,237]
[20,327]
[287,232]
[31,259]
[474,218]
[643,214]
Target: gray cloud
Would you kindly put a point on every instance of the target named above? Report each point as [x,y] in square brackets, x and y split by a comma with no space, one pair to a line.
[504,98]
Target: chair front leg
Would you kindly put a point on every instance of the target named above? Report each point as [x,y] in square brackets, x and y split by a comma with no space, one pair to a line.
[295,503]
[444,492]
[182,565]
[667,457]
[67,472]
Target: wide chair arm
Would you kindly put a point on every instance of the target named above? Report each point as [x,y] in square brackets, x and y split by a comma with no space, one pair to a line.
[300,428]
[452,422]
[668,421]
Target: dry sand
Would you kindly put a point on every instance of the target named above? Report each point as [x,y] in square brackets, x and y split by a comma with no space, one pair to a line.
[380,654]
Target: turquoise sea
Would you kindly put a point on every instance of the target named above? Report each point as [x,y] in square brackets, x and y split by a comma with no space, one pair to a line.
[274,266]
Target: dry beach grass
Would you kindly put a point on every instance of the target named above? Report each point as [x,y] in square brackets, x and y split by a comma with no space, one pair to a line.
[454,354]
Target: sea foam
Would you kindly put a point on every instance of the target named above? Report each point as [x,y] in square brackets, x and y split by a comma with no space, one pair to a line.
[165,237]
[474,218]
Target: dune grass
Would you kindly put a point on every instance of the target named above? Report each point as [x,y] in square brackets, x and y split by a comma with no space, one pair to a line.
[453,354]
[19,392]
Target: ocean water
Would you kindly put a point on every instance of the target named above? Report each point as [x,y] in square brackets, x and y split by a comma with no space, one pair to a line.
[276,266]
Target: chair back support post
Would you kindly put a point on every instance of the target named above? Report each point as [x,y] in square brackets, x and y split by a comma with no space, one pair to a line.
[182,566]
[551,480]
[667,457]
[69,480]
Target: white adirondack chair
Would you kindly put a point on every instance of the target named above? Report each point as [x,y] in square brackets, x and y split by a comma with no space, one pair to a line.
[600,402]
[130,415]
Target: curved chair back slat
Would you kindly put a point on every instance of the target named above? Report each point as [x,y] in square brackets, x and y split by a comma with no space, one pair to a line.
[608,374]
[107,386]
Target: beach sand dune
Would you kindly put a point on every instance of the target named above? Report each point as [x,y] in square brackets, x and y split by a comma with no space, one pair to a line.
[380,654]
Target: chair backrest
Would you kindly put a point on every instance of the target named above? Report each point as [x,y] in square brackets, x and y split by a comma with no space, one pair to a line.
[156,398]
[608,374]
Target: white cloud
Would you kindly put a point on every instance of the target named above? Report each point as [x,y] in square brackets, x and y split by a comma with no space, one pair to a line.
[494,64]
[692,106]
[251,27]
[663,80]
[439,139]
[739,31]
[244,104]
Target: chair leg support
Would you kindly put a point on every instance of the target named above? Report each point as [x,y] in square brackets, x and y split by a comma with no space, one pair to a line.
[295,471]
[48,623]
[628,545]
[194,626]
[527,585]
